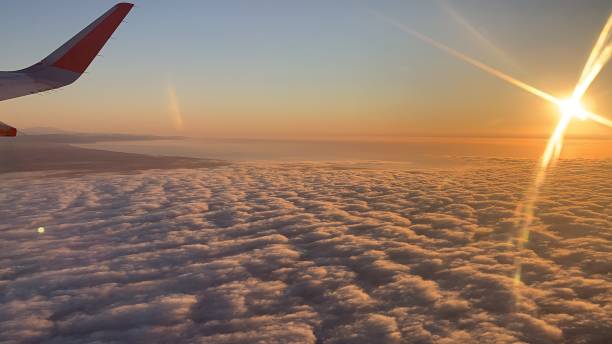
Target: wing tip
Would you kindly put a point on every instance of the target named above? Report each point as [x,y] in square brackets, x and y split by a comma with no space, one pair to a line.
[124,6]
[87,44]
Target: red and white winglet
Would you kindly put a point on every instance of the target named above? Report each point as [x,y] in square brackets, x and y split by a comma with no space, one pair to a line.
[65,65]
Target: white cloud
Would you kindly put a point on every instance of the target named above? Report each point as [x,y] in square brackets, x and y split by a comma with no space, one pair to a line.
[305,253]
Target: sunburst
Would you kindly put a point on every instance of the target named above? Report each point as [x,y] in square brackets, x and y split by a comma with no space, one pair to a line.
[569,109]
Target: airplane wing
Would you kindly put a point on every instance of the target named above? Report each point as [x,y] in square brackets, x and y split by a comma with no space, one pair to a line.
[63,66]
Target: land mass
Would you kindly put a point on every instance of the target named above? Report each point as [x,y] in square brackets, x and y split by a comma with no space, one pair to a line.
[50,152]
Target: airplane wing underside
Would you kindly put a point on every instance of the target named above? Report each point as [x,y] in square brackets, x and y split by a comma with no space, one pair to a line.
[63,66]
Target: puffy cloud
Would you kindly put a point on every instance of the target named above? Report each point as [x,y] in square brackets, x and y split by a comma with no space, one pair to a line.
[306,253]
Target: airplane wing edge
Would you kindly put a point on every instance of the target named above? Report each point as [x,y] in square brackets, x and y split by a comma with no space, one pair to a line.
[64,65]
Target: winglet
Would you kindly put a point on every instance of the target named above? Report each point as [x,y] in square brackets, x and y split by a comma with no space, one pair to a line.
[78,53]
[7,130]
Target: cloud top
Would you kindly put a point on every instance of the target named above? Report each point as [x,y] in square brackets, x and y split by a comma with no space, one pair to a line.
[306,253]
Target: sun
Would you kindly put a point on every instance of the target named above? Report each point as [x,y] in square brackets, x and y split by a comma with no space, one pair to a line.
[573,107]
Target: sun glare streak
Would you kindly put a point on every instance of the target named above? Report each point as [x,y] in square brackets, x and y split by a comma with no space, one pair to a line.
[468,59]
[475,33]
[548,159]
[590,76]
[599,119]
[604,36]
[555,141]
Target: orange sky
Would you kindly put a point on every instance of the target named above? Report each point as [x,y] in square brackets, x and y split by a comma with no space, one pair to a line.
[321,70]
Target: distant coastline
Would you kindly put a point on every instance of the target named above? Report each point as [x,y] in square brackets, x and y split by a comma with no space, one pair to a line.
[55,152]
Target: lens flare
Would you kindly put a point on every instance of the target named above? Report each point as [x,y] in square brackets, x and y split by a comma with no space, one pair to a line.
[478,36]
[468,59]
[174,108]
[599,119]
[569,108]
[599,56]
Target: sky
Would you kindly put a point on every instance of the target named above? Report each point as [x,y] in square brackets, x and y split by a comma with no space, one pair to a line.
[311,69]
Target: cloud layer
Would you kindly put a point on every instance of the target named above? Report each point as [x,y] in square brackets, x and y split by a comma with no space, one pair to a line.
[307,253]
